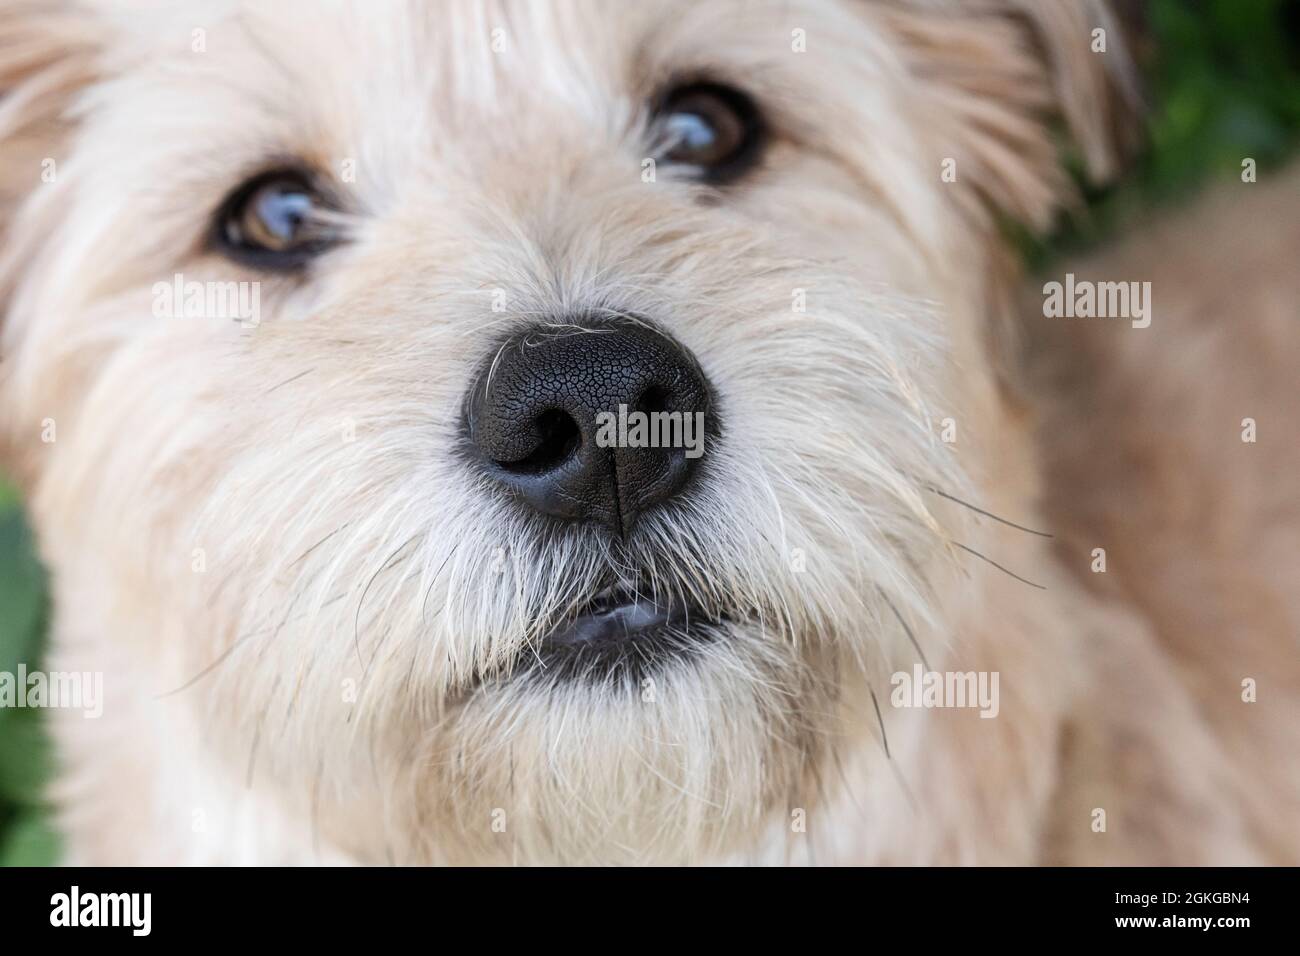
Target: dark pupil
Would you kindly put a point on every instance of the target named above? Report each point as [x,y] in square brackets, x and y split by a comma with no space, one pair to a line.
[281,210]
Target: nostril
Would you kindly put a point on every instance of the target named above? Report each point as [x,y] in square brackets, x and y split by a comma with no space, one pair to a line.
[653,399]
[559,437]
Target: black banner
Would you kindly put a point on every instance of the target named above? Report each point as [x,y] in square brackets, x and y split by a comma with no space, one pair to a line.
[336,905]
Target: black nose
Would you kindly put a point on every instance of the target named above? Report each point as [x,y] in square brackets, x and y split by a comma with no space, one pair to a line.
[545,418]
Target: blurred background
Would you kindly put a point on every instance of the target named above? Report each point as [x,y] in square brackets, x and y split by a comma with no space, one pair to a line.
[1224,84]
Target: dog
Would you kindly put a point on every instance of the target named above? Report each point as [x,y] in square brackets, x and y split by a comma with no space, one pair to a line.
[314,315]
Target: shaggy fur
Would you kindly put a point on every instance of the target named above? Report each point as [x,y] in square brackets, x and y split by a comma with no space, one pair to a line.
[315,621]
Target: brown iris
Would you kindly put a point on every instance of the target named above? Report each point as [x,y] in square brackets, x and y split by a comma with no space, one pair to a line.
[273,221]
[711,127]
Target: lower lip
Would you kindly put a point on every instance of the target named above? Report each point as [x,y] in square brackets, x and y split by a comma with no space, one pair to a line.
[623,622]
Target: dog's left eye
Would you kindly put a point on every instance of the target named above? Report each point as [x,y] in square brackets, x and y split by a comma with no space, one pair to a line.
[274,221]
[714,128]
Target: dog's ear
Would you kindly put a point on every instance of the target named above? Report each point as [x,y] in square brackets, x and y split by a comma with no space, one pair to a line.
[48,53]
[1017,85]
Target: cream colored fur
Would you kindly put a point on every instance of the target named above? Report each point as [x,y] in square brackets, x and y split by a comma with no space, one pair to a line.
[342,679]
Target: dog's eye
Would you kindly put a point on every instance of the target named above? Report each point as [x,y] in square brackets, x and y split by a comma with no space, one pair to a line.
[714,128]
[274,221]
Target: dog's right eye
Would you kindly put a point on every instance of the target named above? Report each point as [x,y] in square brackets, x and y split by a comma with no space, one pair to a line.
[275,221]
[714,129]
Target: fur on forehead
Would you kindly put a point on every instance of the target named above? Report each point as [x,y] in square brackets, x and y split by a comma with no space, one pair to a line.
[991,75]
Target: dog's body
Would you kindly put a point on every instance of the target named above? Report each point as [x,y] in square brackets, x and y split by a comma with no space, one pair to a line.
[317,622]
[1153,448]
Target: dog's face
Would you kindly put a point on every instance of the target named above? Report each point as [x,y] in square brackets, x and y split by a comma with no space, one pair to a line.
[352,518]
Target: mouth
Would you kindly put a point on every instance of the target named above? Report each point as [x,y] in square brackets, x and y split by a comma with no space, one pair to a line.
[623,631]
[614,615]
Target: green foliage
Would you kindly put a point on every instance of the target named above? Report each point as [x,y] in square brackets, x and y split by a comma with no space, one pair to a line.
[1223,85]
[22,605]
[1227,87]
[26,838]
[29,840]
